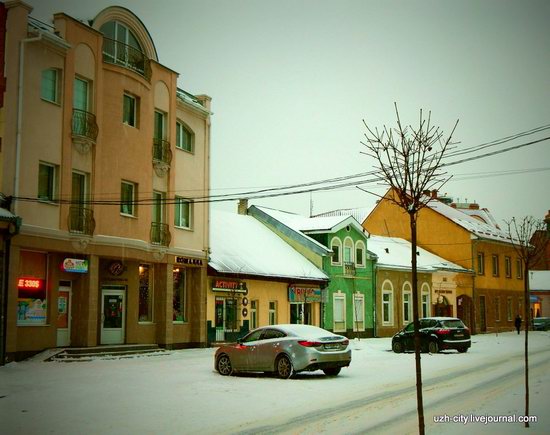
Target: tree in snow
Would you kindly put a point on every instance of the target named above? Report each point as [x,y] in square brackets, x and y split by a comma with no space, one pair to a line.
[409,160]
[521,232]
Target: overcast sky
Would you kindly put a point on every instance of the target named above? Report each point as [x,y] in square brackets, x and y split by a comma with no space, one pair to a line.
[291,82]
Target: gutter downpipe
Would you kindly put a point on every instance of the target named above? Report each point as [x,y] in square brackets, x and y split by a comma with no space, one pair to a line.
[20,116]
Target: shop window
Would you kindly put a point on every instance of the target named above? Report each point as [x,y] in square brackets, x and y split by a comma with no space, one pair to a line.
[47,181]
[179,295]
[128,198]
[32,294]
[184,137]
[145,293]
[387,303]
[272,312]
[358,312]
[297,313]
[339,312]
[49,85]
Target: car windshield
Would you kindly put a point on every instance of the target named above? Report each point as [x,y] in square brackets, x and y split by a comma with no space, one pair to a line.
[452,323]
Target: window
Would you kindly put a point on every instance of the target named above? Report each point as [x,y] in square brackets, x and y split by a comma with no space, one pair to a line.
[80,95]
[360,254]
[145,293]
[47,181]
[254,314]
[508,266]
[387,303]
[425,300]
[179,294]
[358,312]
[407,303]
[480,263]
[49,88]
[159,207]
[519,268]
[79,188]
[509,308]
[183,208]
[339,312]
[159,132]
[495,265]
[272,312]
[184,138]
[121,47]
[335,246]
[348,250]
[130,110]
[497,308]
[127,198]
[297,313]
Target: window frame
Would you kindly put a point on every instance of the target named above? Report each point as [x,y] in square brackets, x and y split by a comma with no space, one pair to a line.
[508,266]
[341,298]
[336,242]
[509,310]
[254,313]
[134,122]
[360,246]
[406,291]
[183,131]
[425,303]
[178,204]
[495,264]
[358,321]
[519,268]
[149,316]
[388,303]
[181,288]
[132,203]
[272,311]
[52,180]
[481,263]
[497,308]
[56,99]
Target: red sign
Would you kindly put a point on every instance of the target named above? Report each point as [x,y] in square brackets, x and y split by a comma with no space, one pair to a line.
[30,283]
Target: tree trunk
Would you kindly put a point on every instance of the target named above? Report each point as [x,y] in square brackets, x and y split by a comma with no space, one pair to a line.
[527,304]
[419,399]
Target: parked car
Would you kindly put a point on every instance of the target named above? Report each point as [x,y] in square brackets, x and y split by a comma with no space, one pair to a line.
[541,323]
[436,333]
[285,350]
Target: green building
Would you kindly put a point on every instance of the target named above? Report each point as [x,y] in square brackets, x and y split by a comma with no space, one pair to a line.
[337,245]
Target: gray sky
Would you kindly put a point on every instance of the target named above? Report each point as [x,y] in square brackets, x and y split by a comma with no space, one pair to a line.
[292,80]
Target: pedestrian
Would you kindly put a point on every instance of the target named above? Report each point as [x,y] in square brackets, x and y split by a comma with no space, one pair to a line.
[517,322]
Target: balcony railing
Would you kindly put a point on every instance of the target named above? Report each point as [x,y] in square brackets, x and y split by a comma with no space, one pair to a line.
[84,125]
[349,268]
[161,151]
[118,53]
[160,234]
[81,220]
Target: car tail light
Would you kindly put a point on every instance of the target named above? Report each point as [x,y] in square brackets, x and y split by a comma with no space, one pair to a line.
[307,343]
[443,331]
[345,342]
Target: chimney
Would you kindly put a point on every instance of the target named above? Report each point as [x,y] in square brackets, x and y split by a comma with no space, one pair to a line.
[473,206]
[242,208]
[434,194]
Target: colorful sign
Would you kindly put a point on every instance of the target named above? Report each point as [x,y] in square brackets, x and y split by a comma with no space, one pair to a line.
[76,265]
[31,301]
[227,285]
[298,293]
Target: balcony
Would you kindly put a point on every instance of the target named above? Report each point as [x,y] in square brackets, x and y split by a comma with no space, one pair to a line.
[118,53]
[160,234]
[81,220]
[162,156]
[84,130]
[349,268]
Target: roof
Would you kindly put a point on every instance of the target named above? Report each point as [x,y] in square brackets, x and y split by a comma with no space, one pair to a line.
[359,214]
[241,244]
[395,253]
[539,280]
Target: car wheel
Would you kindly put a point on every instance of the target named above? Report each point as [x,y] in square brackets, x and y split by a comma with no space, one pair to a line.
[332,371]
[433,347]
[463,349]
[397,347]
[223,366]
[283,367]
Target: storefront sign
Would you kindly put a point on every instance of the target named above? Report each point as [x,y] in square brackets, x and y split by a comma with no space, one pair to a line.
[227,285]
[76,265]
[304,294]
[116,268]
[31,301]
[189,261]
[30,284]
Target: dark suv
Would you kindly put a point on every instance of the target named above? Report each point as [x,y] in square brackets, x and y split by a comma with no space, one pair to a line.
[436,333]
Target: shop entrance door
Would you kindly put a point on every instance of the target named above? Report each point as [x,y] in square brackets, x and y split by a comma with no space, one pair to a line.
[113,307]
[226,317]
[64,314]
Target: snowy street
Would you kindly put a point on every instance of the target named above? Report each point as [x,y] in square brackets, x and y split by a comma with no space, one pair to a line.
[179,392]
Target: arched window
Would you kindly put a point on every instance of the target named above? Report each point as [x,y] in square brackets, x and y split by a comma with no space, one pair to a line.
[348,250]
[407,303]
[360,254]
[122,47]
[336,247]
[387,303]
[425,300]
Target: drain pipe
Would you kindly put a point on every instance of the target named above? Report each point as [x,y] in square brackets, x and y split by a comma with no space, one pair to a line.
[20,117]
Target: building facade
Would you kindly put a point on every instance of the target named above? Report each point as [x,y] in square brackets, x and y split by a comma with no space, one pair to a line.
[99,142]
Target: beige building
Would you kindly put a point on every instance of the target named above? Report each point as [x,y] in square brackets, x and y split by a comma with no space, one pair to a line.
[102,154]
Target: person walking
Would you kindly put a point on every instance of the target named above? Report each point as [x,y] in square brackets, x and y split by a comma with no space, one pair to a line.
[517,322]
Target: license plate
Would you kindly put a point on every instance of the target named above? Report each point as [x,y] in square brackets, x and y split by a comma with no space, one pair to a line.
[332,346]
[459,335]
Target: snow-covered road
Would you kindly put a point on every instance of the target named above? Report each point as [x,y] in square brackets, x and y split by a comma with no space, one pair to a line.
[179,392]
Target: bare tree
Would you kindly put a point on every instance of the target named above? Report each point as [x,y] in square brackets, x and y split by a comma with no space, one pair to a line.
[520,233]
[410,163]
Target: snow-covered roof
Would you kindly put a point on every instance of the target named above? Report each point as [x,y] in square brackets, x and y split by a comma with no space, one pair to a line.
[475,226]
[242,244]
[539,280]
[359,214]
[395,253]
[481,214]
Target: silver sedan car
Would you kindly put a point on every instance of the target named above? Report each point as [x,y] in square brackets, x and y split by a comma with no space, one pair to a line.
[285,350]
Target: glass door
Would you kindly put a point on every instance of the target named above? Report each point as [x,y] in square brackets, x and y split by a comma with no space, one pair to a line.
[113,306]
[63,321]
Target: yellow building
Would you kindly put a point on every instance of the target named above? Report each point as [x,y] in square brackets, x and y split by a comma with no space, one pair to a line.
[470,238]
[98,142]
